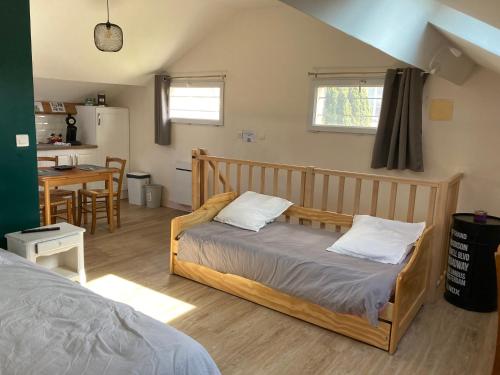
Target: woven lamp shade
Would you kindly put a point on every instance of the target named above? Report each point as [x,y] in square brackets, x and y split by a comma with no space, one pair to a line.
[108,37]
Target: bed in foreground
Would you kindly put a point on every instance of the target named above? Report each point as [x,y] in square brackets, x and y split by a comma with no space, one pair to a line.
[50,325]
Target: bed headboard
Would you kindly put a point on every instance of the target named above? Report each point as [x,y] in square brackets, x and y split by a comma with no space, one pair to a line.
[392,197]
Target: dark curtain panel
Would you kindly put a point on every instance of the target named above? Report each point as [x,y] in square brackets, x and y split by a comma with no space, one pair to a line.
[162,121]
[398,143]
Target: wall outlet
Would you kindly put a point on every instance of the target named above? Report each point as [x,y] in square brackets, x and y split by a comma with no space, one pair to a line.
[248,136]
[22,140]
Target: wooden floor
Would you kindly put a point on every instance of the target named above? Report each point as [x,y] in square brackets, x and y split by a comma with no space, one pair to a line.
[245,338]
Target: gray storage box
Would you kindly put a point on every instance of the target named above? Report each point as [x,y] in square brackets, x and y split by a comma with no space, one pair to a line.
[136,182]
[153,195]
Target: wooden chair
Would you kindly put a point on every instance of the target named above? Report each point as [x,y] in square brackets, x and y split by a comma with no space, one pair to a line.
[55,203]
[59,195]
[99,198]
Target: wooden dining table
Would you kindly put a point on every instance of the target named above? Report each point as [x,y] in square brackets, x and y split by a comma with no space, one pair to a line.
[48,178]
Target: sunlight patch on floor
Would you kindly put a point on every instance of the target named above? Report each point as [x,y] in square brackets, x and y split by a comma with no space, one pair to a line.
[148,301]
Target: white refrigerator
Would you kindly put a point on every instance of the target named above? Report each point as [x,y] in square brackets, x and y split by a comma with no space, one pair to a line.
[108,128]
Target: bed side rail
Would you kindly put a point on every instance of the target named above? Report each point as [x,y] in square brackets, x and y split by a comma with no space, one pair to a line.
[411,287]
[202,215]
[321,216]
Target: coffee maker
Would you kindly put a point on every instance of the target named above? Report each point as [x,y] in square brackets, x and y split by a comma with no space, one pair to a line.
[71,131]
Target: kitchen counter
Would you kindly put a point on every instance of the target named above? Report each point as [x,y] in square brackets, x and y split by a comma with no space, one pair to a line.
[49,147]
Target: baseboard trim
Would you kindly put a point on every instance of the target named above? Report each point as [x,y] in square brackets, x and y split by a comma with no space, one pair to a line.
[179,206]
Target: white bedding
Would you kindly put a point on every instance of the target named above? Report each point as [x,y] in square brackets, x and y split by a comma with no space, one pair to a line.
[377,239]
[50,325]
[252,211]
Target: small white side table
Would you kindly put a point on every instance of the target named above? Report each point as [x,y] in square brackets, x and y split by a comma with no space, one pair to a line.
[61,250]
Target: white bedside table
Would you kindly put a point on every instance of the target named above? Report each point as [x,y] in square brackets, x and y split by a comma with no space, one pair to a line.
[61,251]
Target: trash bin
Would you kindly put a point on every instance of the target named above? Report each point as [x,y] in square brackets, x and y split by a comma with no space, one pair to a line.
[471,274]
[136,181]
[153,195]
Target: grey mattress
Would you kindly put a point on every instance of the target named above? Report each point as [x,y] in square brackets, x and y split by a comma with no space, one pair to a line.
[50,325]
[293,259]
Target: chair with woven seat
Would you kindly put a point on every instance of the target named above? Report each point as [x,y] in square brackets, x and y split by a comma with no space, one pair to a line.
[55,203]
[57,194]
[99,197]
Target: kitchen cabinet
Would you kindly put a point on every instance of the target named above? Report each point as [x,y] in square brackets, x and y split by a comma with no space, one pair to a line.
[108,128]
[85,156]
[105,127]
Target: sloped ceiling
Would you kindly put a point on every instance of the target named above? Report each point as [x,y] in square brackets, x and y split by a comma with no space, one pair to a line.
[487,11]
[473,27]
[423,33]
[156,32]
[483,57]
[399,28]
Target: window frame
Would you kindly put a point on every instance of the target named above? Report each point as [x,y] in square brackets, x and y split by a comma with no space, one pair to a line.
[220,83]
[338,81]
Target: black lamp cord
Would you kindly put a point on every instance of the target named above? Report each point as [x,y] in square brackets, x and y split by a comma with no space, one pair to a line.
[107,7]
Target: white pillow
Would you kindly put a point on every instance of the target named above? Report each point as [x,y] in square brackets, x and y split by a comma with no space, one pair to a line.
[252,211]
[377,239]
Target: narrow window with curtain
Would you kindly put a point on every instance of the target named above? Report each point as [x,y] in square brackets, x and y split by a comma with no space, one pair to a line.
[398,142]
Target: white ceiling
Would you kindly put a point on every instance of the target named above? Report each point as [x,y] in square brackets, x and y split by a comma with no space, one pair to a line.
[480,55]
[156,33]
[485,10]
[419,32]
[400,28]
[473,27]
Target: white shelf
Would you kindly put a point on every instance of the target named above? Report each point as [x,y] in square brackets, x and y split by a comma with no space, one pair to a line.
[64,272]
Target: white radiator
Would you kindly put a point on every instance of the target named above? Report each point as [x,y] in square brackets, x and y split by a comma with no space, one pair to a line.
[181,192]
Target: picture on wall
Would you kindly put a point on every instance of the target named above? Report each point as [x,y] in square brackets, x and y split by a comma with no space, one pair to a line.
[57,107]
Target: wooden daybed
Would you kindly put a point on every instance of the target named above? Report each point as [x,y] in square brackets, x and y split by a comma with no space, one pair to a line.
[414,283]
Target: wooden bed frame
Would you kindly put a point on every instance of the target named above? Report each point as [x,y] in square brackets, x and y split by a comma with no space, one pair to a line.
[417,282]
[410,291]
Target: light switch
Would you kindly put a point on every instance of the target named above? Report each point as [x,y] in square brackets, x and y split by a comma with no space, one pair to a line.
[22,140]
[248,136]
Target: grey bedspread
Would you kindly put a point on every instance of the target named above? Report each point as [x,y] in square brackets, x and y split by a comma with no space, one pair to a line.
[50,326]
[293,259]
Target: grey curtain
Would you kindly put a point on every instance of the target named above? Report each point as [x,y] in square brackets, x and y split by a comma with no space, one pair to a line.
[398,143]
[162,121]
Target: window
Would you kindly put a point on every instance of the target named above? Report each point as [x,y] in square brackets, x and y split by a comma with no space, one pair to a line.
[347,104]
[196,102]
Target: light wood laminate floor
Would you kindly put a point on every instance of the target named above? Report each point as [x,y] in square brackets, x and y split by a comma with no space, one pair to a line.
[245,338]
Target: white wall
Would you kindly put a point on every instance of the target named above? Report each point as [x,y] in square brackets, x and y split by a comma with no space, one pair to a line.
[266,54]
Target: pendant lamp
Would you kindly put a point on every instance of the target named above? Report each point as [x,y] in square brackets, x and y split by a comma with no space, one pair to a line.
[108,37]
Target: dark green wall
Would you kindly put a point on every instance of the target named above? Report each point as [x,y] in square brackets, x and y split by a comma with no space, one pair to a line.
[18,185]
